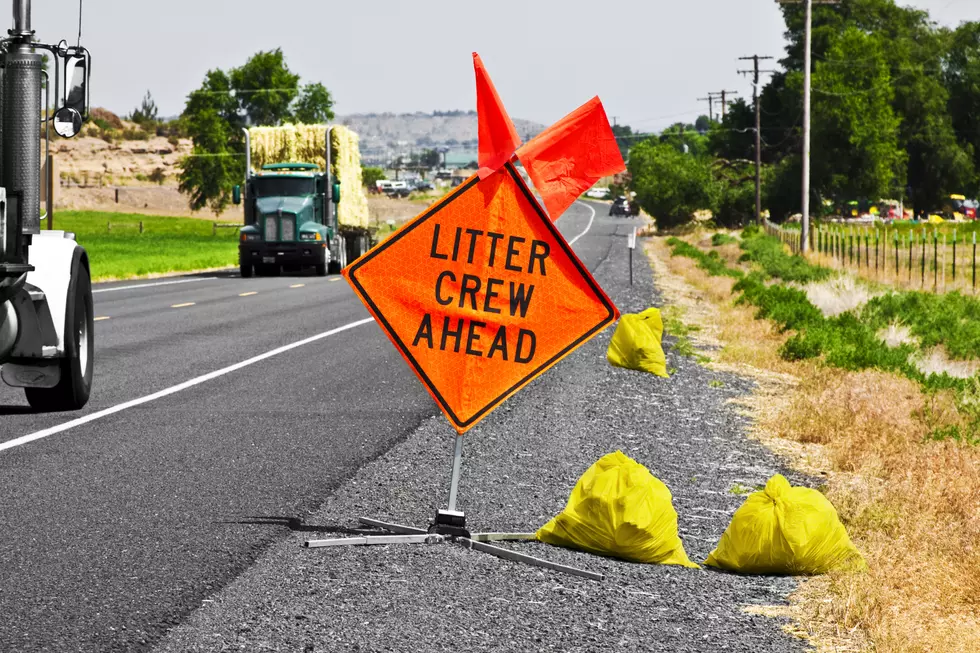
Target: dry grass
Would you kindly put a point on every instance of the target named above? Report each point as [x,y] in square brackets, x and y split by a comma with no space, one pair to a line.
[911,504]
[837,295]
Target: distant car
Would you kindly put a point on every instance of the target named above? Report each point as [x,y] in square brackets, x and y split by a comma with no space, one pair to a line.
[620,206]
[598,193]
[423,185]
[397,189]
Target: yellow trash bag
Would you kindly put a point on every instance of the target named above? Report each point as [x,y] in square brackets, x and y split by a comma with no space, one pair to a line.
[618,508]
[636,343]
[785,530]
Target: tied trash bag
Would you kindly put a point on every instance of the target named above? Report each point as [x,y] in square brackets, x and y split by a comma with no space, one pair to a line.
[619,509]
[636,343]
[785,530]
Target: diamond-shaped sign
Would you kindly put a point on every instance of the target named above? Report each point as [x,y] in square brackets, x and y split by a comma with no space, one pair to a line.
[480,294]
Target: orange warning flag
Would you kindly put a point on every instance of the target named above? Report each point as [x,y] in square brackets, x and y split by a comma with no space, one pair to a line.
[565,160]
[480,294]
[498,137]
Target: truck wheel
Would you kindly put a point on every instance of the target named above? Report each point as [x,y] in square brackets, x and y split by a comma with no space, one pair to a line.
[333,267]
[245,269]
[72,391]
[321,269]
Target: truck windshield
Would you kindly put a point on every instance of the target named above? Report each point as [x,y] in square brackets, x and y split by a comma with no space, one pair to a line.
[283,186]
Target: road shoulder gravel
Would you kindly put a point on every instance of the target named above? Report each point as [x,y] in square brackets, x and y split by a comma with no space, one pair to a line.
[519,467]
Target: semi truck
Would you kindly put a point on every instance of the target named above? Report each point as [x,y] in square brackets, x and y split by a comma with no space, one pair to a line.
[47,343]
[294,213]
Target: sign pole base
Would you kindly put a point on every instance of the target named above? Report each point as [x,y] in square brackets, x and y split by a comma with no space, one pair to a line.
[450,526]
[476,542]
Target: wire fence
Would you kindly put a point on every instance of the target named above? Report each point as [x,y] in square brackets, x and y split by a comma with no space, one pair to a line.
[921,258]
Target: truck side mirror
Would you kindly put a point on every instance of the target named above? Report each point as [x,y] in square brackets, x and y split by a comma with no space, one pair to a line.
[336,192]
[76,83]
[236,194]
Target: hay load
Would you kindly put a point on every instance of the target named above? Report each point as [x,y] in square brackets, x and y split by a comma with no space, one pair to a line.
[306,144]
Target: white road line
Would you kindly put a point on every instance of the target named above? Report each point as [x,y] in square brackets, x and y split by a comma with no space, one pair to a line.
[184,305]
[99,319]
[151,285]
[174,389]
[587,227]
[248,294]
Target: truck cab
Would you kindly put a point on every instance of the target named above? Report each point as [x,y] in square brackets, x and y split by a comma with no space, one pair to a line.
[289,221]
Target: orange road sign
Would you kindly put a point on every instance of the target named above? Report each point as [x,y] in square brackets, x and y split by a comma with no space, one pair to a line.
[480,294]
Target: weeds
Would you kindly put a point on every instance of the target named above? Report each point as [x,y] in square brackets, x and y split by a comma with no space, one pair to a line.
[710,262]
[720,239]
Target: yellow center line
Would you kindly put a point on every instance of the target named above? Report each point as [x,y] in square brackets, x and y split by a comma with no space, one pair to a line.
[99,319]
[336,279]
[246,294]
[297,285]
[183,305]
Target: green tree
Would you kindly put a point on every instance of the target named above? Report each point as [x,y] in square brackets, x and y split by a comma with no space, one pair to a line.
[624,138]
[734,138]
[430,159]
[855,146]
[370,175]
[963,84]
[914,50]
[265,88]
[147,111]
[685,138]
[216,163]
[314,105]
[669,184]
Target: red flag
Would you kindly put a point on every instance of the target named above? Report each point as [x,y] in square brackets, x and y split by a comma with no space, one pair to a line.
[565,160]
[498,136]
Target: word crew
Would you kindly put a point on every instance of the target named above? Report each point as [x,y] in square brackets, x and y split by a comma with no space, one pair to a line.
[504,301]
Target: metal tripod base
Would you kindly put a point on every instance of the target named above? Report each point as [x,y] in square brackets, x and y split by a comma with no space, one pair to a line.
[475,541]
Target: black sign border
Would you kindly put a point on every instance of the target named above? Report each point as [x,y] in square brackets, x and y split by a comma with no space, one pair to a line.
[597,291]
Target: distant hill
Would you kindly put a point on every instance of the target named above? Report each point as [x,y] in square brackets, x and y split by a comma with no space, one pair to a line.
[386,135]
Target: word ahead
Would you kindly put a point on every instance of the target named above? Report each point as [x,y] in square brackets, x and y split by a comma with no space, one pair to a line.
[480,294]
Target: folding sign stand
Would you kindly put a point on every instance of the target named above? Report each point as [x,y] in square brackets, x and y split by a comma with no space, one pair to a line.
[450,525]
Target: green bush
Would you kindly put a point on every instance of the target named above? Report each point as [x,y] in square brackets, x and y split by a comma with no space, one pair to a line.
[710,262]
[951,320]
[719,239]
[769,253]
[670,185]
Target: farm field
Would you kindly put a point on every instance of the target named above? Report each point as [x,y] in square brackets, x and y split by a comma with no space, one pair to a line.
[118,250]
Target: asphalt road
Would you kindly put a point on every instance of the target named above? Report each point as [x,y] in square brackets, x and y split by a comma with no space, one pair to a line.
[120,519]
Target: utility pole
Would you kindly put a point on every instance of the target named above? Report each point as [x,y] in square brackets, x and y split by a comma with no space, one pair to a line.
[724,102]
[758,131]
[710,99]
[805,222]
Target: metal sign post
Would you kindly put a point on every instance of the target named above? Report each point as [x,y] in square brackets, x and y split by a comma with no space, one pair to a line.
[631,243]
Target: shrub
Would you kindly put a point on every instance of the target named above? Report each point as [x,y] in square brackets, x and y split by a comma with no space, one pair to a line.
[719,239]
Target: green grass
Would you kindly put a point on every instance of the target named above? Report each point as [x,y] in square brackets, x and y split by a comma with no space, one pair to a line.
[710,262]
[166,244]
[720,239]
[771,256]
[951,319]
[849,341]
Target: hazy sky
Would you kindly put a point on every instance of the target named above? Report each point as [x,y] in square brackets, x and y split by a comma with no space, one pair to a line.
[649,60]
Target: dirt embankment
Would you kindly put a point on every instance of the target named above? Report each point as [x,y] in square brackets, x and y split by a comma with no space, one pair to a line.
[141,177]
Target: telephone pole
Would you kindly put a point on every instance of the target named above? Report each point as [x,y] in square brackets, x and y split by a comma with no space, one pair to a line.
[805,221]
[710,99]
[724,102]
[758,130]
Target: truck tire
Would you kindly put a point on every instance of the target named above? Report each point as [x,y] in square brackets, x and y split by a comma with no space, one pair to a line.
[321,269]
[72,391]
[245,269]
